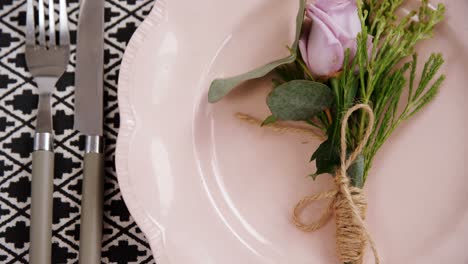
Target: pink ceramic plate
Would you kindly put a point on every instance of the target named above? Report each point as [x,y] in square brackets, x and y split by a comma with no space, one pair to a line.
[206,188]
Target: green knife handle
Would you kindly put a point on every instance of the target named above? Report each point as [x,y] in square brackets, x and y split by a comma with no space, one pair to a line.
[42,187]
[91,208]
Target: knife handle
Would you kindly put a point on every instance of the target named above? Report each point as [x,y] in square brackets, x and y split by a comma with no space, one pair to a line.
[42,186]
[92,202]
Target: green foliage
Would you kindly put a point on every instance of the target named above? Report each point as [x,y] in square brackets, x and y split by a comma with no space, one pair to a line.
[383,77]
[221,87]
[379,79]
[299,100]
[356,172]
[327,158]
[269,120]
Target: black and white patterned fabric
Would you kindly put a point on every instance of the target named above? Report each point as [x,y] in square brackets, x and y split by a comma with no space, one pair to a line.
[123,242]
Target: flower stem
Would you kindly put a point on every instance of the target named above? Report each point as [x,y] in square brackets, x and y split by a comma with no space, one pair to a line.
[305,69]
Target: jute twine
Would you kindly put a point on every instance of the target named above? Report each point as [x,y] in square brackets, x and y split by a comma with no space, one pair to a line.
[280,128]
[348,203]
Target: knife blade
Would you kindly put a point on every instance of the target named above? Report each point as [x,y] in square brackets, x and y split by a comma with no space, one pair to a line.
[89,68]
[89,121]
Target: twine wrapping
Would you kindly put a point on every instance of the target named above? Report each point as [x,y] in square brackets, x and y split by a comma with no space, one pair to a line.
[348,203]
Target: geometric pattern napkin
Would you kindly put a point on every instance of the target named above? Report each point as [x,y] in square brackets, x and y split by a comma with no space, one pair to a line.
[123,242]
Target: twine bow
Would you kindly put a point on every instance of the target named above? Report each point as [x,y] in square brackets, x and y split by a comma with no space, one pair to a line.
[348,203]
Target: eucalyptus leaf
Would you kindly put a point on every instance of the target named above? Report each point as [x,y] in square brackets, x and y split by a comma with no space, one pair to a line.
[299,100]
[221,87]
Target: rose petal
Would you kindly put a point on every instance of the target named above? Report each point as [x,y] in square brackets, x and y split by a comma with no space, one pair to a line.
[331,4]
[303,41]
[352,46]
[335,26]
[343,21]
[324,52]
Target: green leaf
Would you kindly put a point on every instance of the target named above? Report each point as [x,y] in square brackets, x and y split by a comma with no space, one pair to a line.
[299,100]
[427,97]
[327,158]
[276,82]
[350,92]
[431,67]
[327,161]
[270,120]
[221,87]
[290,72]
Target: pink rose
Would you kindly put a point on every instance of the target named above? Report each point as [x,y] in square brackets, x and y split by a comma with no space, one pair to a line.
[332,28]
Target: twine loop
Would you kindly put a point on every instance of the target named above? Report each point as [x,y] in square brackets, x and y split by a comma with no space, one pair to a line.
[348,204]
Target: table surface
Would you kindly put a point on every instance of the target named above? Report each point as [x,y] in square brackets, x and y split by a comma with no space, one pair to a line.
[123,241]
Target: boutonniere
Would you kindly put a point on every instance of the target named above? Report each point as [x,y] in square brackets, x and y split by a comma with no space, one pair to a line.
[351,75]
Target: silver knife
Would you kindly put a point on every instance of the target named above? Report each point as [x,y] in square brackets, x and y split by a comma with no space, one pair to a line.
[89,121]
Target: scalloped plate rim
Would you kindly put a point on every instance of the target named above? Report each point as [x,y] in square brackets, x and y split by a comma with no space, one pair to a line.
[152,232]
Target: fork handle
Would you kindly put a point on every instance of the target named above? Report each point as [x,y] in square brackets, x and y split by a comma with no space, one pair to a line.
[41,200]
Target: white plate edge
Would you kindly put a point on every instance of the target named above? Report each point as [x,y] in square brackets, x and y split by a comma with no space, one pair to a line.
[127,128]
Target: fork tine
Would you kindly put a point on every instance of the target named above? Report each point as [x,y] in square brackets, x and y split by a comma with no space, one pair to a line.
[42,37]
[64,33]
[51,24]
[30,33]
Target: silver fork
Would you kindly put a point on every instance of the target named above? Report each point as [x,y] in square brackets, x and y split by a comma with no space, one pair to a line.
[47,61]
